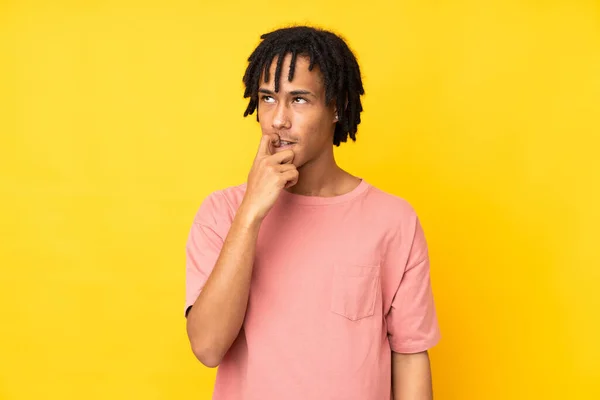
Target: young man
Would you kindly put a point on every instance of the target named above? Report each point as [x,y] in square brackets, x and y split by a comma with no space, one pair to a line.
[306,282]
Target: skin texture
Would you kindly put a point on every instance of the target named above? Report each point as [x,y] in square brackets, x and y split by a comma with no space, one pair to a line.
[411,377]
[298,113]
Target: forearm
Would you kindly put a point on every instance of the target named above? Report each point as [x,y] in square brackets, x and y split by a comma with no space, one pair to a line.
[216,317]
[411,376]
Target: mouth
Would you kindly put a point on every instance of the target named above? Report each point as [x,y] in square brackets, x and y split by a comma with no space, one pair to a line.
[283,143]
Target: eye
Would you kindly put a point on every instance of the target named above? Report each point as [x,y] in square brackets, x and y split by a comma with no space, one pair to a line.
[300,100]
[267,99]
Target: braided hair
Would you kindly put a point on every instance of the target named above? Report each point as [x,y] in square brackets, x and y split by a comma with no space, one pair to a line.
[336,61]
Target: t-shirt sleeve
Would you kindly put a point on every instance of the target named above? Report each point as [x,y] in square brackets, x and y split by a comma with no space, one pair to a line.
[203,246]
[412,320]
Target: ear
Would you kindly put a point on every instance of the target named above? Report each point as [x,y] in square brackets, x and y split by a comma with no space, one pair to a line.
[336,117]
[335,114]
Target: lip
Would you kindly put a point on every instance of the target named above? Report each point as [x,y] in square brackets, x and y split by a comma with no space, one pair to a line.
[284,146]
[284,138]
[281,145]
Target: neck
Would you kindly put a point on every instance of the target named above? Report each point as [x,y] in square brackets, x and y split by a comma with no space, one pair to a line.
[322,177]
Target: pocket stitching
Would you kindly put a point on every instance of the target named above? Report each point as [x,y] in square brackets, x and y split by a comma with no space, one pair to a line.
[343,273]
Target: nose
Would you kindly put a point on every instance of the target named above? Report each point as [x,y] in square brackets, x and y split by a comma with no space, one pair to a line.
[281,119]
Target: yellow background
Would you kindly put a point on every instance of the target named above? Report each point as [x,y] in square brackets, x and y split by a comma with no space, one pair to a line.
[118,117]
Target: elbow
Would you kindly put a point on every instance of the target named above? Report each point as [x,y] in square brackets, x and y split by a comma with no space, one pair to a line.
[206,356]
[205,346]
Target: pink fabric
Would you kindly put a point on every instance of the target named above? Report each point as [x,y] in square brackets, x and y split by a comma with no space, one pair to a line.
[338,284]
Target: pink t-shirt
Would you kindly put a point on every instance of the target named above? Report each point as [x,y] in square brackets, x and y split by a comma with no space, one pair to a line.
[338,284]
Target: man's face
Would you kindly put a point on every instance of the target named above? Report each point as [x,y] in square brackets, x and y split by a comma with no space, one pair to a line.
[298,112]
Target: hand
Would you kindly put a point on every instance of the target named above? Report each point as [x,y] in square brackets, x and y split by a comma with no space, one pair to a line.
[270,174]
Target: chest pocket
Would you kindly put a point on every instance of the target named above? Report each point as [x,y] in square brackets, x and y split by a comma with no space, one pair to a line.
[354,290]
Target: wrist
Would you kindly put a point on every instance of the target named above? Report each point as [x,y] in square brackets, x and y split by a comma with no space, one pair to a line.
[247,216]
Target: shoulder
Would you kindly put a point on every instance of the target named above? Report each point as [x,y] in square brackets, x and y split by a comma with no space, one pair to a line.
[390,207]
[220,205]
[403,229]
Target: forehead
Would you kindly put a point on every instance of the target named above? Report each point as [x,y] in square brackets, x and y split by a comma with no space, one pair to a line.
[303,78]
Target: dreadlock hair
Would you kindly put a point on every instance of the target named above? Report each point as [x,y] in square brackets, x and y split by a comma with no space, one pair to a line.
[336,61]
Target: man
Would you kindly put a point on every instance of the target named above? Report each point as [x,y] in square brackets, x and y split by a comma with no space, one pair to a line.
[306,282]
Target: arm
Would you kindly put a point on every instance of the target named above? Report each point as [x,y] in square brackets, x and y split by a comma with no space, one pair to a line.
[411,376]
[217,315]
[216,318]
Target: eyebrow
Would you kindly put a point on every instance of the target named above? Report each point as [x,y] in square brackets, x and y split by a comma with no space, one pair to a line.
[292,93]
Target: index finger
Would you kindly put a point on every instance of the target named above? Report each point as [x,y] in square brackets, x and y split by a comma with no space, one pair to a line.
[266,141]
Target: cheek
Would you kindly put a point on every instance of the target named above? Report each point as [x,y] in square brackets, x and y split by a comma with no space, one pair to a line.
[319,130]
[263,119]
[310,126]
[313,141]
